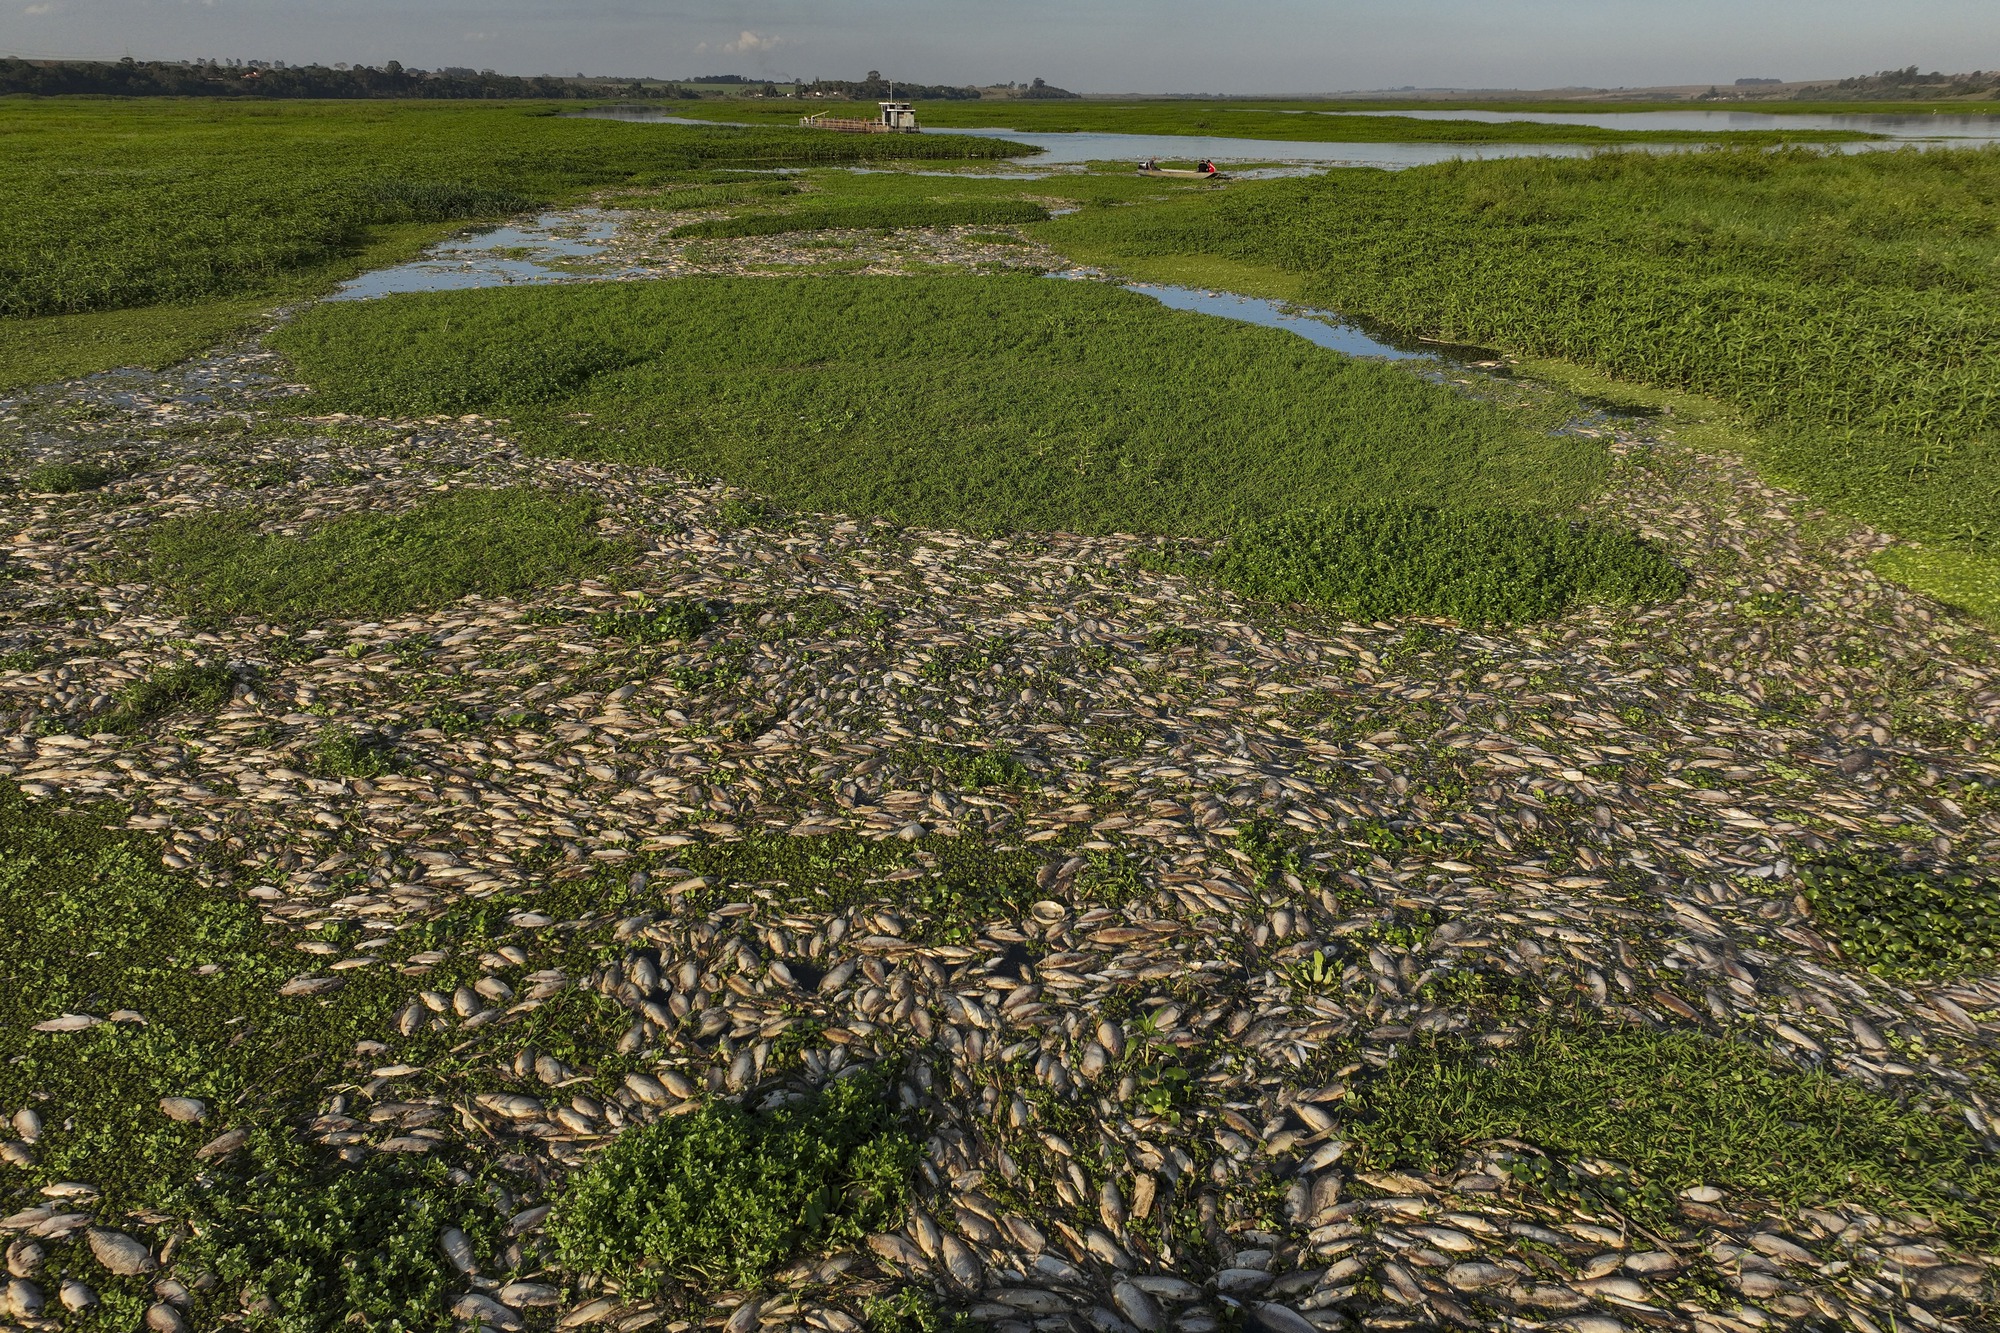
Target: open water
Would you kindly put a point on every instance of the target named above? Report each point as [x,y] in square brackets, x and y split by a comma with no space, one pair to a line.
[503,257]
[1904,126]
[1092,146]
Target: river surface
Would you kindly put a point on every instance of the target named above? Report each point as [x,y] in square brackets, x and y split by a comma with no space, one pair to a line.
[1073,149]
[1981,129]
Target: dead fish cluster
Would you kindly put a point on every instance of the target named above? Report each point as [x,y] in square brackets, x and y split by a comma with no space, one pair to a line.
[1610,808]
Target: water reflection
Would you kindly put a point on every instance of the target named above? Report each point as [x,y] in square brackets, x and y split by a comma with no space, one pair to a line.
[1316,326]
[504,257]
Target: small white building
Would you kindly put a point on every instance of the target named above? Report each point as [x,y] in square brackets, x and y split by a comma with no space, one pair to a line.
[898,116]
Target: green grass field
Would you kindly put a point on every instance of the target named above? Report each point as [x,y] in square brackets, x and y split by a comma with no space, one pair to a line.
[974,403]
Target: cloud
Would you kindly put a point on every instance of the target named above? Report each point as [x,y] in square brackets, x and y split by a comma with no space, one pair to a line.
[749,43]
[38,10]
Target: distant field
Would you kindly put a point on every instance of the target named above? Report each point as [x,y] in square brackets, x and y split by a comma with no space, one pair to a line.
[1844,304]
[1291,121]
[971,403]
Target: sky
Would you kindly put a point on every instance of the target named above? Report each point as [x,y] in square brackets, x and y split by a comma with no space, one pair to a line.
[1098,46]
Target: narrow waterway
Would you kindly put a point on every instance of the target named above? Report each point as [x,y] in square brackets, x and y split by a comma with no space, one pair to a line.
[1073,149]
[526,253]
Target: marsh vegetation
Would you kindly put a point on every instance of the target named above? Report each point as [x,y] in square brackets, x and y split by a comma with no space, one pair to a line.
[981,403]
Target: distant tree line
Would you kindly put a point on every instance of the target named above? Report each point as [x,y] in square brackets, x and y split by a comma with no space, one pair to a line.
[1896,83]
[1888,86]
[877,88]
[274,78]
[208,78]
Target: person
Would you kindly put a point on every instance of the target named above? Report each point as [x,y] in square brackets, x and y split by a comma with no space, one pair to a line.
[1150,164]
[1207,167]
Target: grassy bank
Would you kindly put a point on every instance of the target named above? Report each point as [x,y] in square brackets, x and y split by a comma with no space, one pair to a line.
[1293,122]
[212,208]
[972,403]
[1842,306]
[974,212]
[495,543]
[1677,1109]
[44,348]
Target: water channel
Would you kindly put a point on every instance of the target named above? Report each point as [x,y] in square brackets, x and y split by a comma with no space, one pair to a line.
[1076,148]
[532,252]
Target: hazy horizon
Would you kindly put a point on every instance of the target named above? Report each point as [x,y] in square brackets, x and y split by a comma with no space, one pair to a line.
[1116,46]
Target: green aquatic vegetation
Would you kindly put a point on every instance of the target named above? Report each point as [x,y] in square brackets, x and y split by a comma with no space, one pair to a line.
[189,687]
[342,752]
[1966,579]
[910,1310]
[723,1197]
[1679,1109]
[1907,921]
[67,478]
[981,403]
[91,923]
[971,767]
[49,348]
[915,213]
[1175,637]
[669,622]
[989,768]
[323,1245]
[1478,566]
[497,543]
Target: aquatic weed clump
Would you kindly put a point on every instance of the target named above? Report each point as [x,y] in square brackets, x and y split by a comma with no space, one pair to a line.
[723,1196]
[342,752]
[1479,566]
[67,478]
[1903,920]
[189,687]
[666,623]
[305,1242]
